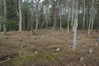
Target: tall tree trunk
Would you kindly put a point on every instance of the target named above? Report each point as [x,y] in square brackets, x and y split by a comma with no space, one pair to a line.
[75,24]
[36,24]
[60,22]
[83,15]
[89,27]
[32,17]
[72,15]
[46,23]
[93,13]
[92,16]
[4,21]
[68,24]
[20,15]
[54,26]
[88,16]
[0,24]
[37,16]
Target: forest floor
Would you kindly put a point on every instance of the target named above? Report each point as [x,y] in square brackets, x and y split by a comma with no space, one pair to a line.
[48,48]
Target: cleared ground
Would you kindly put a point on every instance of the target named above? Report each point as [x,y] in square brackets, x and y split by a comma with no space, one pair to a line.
[48,48]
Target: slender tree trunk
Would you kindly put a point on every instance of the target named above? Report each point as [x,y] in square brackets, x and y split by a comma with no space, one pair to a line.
[54,21]
[93,13]
[20,15]
[88,16]
[60,22]
[72,15]
[32,17]
[0,24]
[68,24]
[4,21]
[92,16]
[31,24]
[46,23]
[37,16]
[75,24]
[84,15]
[89,27]
[36,24]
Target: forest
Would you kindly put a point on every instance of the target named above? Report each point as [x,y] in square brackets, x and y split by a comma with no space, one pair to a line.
[49,32]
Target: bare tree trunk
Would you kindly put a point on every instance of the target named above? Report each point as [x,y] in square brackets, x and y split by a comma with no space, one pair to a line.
[93,13]
[5,11]
[68,25]
[36,24]
[75,24]
[0,24]
[72,15]
[83,15]
[54,21]
[89,27]
[88,16]
[32,17]
[20,15]
[92,16]
[37,16]
[46,23]
[60,22]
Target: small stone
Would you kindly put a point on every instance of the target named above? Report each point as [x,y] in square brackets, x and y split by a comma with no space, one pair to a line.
[33,46]
[96,44]
[90,51]
[36,52]
[42,37]
[81,59]
[7,59]
[58,49]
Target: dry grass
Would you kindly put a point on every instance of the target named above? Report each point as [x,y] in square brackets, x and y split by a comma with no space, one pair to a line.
[28,49]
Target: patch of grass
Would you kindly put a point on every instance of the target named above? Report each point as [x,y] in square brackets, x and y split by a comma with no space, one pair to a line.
[19,61]
[41,55]
[47,56]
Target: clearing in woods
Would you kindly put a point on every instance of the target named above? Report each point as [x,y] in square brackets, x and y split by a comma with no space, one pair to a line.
[48,48]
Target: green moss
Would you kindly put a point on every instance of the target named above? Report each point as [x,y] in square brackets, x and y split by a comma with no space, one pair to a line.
[41,55]
[19,61]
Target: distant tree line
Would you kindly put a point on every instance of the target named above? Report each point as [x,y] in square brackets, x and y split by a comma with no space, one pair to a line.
[34,14]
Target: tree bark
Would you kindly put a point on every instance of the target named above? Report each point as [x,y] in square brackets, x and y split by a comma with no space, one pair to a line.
[84,15]
[0,24]
[93,13]
[92,16]
[32,16]
[20,15]
[54,21]
[75,24]
[36,24]
[4,21]
[37,15]
[60,22]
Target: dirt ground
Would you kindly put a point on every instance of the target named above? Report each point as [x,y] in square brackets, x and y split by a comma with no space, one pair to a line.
[48,48]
